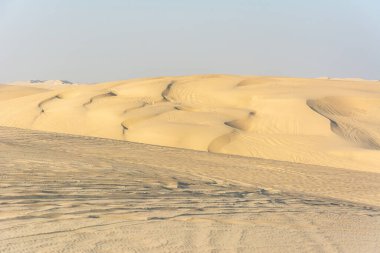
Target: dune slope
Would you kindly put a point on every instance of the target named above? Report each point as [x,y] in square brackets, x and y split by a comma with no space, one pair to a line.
[314,121]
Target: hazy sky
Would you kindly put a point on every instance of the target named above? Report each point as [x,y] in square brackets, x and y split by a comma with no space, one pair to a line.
[99,40]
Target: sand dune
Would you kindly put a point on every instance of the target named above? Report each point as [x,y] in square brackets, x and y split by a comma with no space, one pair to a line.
[11,91]
[327,122]
[64,193]
[354,119]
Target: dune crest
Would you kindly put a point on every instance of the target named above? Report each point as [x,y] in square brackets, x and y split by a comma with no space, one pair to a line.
[314,121]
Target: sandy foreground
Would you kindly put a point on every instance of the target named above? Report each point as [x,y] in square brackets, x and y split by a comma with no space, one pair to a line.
[293,165]
[64,193]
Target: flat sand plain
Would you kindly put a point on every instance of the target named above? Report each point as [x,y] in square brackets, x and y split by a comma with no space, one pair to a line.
[65,193]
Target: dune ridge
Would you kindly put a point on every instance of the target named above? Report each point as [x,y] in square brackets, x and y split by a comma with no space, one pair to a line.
[327,122]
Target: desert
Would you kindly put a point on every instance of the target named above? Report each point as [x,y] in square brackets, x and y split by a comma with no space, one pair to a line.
[202,163]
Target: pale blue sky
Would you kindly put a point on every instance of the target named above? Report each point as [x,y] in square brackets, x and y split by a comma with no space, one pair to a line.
[99,40]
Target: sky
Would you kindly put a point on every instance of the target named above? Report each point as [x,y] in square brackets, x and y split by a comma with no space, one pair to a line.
[99,40]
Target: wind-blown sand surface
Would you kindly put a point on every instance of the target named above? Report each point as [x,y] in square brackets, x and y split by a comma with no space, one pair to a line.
[306,178]
[64,193]
[329,122]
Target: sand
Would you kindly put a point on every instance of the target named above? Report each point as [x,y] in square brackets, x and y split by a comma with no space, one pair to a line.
[239,164]
[64,193]
[328,122]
